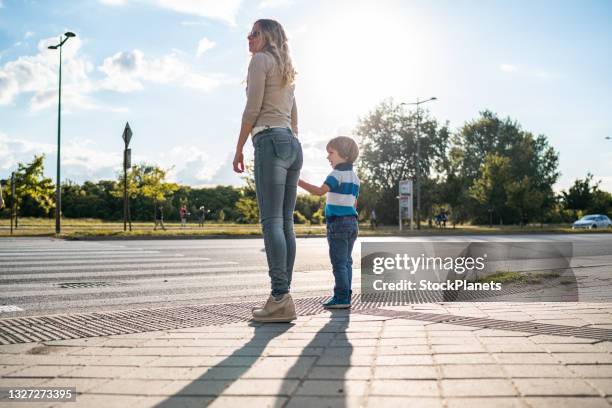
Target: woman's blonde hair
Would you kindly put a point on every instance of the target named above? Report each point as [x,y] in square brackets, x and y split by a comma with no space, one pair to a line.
[276,44]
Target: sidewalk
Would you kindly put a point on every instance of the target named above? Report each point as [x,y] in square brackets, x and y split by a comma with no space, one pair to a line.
[366,357]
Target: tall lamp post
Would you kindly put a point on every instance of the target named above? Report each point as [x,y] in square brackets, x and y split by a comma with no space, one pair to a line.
[58,188]
[418,156]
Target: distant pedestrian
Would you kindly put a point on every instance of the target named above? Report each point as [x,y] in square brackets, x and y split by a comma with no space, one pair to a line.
[159,217]
[1,199]
[373,219]
[202,213]
[183,214]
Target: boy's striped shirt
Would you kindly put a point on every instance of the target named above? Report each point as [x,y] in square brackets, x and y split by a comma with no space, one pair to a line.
[343,191]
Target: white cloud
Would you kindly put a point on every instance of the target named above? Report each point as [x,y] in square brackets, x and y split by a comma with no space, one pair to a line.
[113,2]
[28,34]
[204,45]
[225,10]
[275,3]
[508,68]
[38,74]
[127,70]
[86,159]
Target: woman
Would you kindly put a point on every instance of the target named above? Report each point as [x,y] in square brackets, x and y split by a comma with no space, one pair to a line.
[270,116]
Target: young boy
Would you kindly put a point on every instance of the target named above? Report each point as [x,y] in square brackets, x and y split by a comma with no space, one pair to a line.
[342,189]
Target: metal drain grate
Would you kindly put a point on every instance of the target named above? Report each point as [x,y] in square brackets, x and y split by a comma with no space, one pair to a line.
[63,327]
[69,285]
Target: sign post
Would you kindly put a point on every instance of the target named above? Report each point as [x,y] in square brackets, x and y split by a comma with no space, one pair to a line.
[12,199]
[405,203]
[127,163]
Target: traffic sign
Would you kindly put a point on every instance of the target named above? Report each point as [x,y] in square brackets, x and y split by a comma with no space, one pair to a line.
[127,134]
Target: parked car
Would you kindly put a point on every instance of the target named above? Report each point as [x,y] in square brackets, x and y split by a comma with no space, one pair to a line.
[593,221]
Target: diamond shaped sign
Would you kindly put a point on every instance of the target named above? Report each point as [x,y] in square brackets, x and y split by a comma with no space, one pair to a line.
[127,134]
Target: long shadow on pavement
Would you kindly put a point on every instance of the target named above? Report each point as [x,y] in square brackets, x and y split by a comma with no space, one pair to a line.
[322,378]
[210,385]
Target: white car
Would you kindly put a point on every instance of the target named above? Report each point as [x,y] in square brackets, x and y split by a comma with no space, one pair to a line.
[593,221]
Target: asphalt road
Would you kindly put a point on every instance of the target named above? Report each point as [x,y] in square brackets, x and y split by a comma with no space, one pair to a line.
[42,276]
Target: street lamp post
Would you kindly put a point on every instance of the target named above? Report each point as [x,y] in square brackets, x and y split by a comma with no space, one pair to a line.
[418,156]
[58,188]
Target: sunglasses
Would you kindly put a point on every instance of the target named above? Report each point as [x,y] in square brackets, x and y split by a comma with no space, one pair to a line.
[253,34]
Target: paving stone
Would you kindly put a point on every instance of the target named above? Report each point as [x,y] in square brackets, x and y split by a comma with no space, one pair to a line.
[477,387]
[172,402]
[406,372]
[538,371]
[394,402]
[42,359]
[458,348]
[485,402]
[203,361]
[403,341]
[604,386]
[566,402]
[405,360]
[548,339]
[584,358]
[106,401]
[340,373]
[21,348]
[554,387]
[42,371]
[524,358]
[232,402]
[21,382]
[196,388]
[328,360]
[280,367]
[81,384]
[468,358]
[7,369]
[125,360]
[98,372]
[410,388]
[332,387]
[326,402]
[592,370]
[401,350]
[574,348]
[261,387]
[132,387]
[515,348]
[472,371]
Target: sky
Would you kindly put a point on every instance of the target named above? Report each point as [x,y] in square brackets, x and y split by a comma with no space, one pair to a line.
[175,70]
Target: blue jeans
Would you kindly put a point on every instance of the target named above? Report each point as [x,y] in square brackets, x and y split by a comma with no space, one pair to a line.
[278,160]
[341,235]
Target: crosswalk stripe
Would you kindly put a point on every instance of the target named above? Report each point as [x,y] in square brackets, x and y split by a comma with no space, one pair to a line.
[104,266]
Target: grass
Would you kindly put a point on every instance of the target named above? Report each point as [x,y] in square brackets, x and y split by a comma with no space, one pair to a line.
[519,277]
[92,228]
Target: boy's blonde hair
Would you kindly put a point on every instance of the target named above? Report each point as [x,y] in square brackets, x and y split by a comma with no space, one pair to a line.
[346,147]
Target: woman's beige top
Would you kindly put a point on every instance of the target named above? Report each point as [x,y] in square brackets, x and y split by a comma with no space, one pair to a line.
[269,102]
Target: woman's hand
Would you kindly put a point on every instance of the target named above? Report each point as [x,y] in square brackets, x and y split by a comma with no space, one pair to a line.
[238,162]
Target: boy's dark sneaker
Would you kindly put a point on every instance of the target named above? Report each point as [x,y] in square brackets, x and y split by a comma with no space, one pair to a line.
[336,304]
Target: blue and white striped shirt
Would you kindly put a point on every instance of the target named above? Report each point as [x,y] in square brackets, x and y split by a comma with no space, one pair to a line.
[343,191]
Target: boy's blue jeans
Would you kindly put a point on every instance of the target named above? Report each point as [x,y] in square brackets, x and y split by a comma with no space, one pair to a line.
[341,235]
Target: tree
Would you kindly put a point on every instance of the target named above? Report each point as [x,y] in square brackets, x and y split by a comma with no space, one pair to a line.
[533,166]
[148,186]
[388,147]
[584,196]
[489,189]
[34,193]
